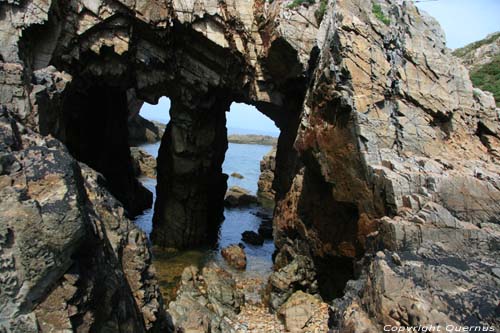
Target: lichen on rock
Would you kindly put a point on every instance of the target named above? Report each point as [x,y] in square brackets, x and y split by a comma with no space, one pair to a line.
[386,174]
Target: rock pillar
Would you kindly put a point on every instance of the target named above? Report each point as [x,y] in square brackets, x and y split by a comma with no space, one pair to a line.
[191,185]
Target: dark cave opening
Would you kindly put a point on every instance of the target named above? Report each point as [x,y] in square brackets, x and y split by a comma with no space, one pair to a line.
[335,226]
[333,273]
[94,128]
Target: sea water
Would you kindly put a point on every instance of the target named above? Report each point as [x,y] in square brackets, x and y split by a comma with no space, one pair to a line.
[245,160]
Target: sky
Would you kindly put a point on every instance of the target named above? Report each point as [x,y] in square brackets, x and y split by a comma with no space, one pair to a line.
[242,118]
[463,21]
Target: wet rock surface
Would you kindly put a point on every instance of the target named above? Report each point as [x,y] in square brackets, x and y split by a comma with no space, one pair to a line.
[239,197]
[387,154]
[235,256]
[266,228]
[251,237]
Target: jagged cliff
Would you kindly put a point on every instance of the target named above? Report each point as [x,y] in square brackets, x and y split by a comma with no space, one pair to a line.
[386,168]
[482,58]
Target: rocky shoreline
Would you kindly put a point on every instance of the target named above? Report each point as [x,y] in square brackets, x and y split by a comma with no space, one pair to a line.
[386,176]
[252,139]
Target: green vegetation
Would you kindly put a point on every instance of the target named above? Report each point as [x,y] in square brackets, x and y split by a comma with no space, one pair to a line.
[487,78]
[296,3]
[320,12]
[377,11]
[461,52]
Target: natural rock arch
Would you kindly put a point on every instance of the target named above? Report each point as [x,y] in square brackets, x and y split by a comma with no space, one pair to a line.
[200,68]
[379,124]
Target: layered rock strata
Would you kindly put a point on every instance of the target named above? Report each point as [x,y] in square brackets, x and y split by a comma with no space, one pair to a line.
[385,151]
[71,259]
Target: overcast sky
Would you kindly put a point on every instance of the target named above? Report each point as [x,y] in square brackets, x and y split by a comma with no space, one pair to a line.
[463,21]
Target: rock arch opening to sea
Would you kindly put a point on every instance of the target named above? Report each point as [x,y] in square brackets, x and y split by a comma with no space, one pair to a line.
[387,172]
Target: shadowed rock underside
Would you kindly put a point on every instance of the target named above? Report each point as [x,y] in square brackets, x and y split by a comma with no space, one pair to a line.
[386,171]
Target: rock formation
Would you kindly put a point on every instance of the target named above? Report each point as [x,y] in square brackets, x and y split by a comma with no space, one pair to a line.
[300,311]
[237,175]
[387,172]
[239,197]
[143,163]
[253,139]
[235,256]
[482,58]
[265,184]
[479,53]
[251,237]
[206,301]
[142,131]
[70,257]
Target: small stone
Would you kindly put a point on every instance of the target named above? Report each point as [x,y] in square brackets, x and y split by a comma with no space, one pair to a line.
[237,175]
[396,259]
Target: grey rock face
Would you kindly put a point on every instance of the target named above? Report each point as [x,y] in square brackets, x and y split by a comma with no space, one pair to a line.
[207,301]
[79,242]
[266,178]
[384,146]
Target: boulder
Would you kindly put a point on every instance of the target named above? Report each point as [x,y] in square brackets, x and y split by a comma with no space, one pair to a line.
[298,311]
[237,175]
[251,237]
[299,274]
[266,228]
[235,256]
[239,197]
[143,163]
[205,301]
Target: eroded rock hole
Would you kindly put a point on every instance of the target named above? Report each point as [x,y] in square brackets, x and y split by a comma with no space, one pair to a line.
[248,168]
[93,125]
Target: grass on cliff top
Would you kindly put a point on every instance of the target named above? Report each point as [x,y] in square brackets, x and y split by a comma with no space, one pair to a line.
[377,11]
[487,78]
[296,3]
[461,52]
[318,14]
